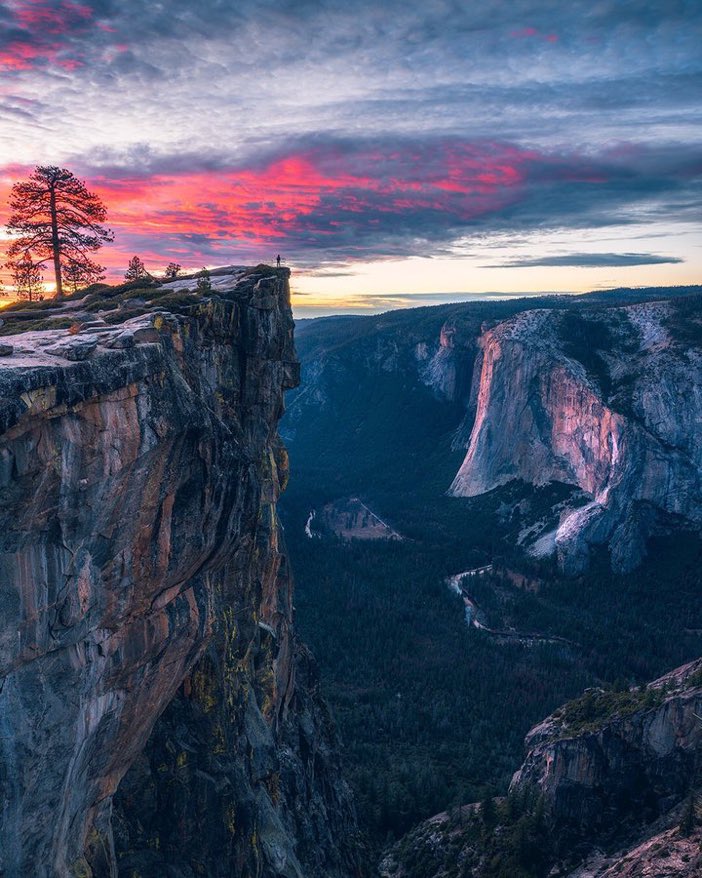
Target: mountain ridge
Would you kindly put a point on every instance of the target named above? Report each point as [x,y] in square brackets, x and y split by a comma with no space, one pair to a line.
[443,348]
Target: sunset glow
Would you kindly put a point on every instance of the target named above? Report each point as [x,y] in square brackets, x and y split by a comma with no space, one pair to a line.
[512,151]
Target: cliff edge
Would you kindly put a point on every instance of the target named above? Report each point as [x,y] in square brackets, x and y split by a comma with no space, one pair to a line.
[146,638]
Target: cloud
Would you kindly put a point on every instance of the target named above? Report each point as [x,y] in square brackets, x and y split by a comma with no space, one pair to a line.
[592,260]
[337,201]
[344,200]
[226,131]
[41,33]
[326,272]
[261,71]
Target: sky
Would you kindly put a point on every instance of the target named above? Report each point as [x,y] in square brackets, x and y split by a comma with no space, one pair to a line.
[393,154]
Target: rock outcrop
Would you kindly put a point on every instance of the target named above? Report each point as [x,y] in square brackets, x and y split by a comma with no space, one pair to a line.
[146,623]
[667,854]
[610,786]
[607,400]
[612,760]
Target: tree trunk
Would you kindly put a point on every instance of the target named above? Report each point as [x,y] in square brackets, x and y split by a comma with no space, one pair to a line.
[56,244]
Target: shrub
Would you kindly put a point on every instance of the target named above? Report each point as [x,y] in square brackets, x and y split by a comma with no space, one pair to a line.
[596,706]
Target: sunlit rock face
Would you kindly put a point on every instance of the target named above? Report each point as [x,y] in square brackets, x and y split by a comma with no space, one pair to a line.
[141,570]
[608,400]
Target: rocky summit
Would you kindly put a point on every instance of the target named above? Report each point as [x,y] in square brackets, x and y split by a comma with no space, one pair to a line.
[159,716]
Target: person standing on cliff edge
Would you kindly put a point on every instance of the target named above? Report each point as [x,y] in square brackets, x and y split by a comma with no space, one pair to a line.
[277,261]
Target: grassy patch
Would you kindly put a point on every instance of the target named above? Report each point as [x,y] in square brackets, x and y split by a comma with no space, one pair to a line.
[596,707]
[17,327]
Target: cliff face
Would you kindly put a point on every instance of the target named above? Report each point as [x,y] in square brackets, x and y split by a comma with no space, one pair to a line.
[609,401]
[405,351]
[142,570]
[600,395]
[609,787]
[447,367]
[609,759]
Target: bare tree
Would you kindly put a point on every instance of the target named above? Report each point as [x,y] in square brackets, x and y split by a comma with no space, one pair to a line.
[54,217]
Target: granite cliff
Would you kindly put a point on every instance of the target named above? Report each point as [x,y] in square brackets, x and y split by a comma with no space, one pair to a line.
[611,762]
[158,715]
[608,400]
[601,392]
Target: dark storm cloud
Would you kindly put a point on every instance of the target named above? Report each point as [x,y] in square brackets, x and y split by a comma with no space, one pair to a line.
[592,260]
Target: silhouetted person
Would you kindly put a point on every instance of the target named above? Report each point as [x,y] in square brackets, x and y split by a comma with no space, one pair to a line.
[277,260]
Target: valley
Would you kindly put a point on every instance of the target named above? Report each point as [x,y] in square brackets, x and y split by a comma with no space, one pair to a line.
[350,439]
[432,712]
[476,618]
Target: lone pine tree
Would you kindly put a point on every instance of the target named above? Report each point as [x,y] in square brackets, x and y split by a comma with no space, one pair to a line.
[55,218]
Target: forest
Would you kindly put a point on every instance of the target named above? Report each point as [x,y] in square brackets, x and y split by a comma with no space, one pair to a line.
[432,713]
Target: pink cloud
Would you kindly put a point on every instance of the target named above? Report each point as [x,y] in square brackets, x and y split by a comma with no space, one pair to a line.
[527,32]
[355,202]
[47,31]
